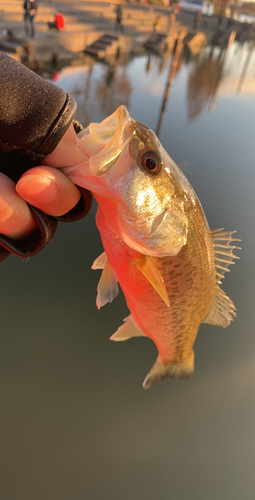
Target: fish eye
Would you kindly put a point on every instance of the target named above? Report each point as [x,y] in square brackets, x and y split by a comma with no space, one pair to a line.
[151,162]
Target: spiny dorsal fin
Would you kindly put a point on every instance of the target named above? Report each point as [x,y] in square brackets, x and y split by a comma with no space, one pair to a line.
[150,271]
[223,251]
[128,330]
[174,369]
[222,310]
[100,262]
[108,287]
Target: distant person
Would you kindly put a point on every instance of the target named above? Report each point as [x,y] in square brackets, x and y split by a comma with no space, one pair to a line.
[171,18]
[30,7]
[118,23]
[220,19]
[58,22]
[156,27]
[197,20]
[245,27]
[230,22]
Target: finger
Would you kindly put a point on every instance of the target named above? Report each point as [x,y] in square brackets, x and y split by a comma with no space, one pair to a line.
[49,190]
[69,151]
[16,220]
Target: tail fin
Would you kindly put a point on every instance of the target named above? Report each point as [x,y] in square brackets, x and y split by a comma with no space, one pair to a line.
[161,370]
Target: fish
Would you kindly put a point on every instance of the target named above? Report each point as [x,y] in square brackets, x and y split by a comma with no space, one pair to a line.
[157,243]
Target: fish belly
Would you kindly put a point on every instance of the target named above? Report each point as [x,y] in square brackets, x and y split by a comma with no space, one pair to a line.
[189,283]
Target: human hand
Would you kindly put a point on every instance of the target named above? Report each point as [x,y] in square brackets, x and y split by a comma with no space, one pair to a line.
[44,187]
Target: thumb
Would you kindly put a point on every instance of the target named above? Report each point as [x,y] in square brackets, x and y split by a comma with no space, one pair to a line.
[69,151]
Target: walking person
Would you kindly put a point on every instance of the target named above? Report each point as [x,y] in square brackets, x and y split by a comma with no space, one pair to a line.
[30,7]
[197,20]
[118,25]
[156,27]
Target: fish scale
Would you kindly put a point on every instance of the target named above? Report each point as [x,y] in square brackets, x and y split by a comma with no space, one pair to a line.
[157,242]
[176,325]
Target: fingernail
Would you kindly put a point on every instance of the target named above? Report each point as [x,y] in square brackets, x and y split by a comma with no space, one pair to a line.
[39,190]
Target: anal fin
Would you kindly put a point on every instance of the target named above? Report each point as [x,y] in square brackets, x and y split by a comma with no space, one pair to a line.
[222,310]
[108,287]
[175,369]
[150,271]
[128,330]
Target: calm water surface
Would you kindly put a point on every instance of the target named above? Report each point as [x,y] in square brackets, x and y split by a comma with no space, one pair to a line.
[75,422]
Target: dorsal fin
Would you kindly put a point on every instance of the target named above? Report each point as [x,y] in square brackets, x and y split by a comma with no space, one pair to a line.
[100,262]
[128,330]
[222,310]
[223,251]
[150,271]
[108,287]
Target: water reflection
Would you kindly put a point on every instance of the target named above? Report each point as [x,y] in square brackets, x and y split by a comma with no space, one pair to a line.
[75,423]
[175,67]
[246,66]
[113,89]
[238,76]
[212,74]
[204,77]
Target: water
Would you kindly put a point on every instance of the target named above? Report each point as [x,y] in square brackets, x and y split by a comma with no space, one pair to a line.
[75,422]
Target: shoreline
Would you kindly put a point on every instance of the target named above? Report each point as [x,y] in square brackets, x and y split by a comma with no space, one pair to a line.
[90,24]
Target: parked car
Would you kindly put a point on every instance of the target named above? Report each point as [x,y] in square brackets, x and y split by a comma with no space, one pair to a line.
[244,18]
[206,8]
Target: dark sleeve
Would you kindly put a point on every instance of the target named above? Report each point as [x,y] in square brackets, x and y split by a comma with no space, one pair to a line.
[34,115]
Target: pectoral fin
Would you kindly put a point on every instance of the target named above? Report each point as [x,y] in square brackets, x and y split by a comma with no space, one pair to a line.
[150,271]
[128,330]
[108,287]
[175,369]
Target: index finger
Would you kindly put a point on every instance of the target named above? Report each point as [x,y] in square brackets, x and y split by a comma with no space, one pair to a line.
[49,190]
